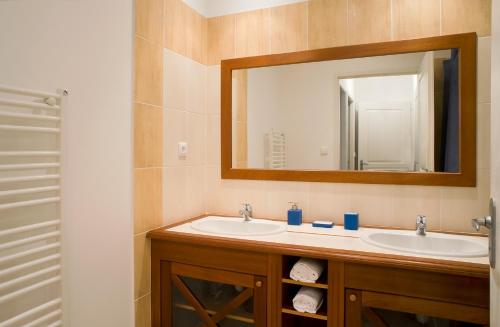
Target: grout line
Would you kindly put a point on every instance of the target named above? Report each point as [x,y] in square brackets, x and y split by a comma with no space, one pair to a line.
[187,165]
[155,106]
[145,232]
[187,57]
[141,297]
[149,41]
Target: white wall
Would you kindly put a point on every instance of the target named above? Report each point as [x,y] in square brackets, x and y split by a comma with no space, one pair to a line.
[86,47]
[214,8]
[495,154]
[384,89]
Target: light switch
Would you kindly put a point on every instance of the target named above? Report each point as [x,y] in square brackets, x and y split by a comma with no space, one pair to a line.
[323,150]
[182,149]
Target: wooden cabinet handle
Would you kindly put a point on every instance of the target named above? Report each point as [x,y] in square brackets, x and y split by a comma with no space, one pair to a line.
[258,283]
[352,298]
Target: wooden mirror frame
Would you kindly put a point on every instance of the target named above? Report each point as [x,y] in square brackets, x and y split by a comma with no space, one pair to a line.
[467,107]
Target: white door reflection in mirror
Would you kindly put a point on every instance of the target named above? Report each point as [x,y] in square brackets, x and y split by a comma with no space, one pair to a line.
[384,136]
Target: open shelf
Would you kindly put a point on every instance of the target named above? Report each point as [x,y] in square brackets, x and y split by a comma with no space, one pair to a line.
[321,314]
[289,261]
[323,285]
[289,289]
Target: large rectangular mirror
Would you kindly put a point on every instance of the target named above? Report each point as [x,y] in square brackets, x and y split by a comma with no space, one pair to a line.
[398,112]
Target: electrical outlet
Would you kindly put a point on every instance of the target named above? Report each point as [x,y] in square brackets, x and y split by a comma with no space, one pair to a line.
[182,149]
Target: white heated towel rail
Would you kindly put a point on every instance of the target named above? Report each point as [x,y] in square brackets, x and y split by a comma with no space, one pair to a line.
[275,150]
[30,216]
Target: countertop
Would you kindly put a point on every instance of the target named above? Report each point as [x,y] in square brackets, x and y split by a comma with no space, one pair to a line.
[331,243]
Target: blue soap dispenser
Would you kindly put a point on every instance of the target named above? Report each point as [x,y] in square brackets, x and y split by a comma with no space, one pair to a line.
[294,215]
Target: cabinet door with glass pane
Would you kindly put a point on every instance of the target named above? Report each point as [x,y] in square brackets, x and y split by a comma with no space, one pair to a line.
[373,309]
[202,296]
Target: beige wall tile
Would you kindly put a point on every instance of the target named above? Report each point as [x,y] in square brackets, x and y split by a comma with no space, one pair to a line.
[204,41]
[196,137]
[148,136]
[148,72]
[186,31]
[143,311]
[220,39]
[460,16]
[149,20]
[369,21]
[195,177]
[142,265]
[281,193]
[252,33]
[327,23]
[225,196]
[328,201]
[194,35]
[375,204]
[253,192]
[289,28]
[415,19]
[483,135]
[176,80]
[175,190]
[175,25]
[213,90]
[460,204]
[219,197]
[484,70]
[175,131]
[213,139]
[196,87]
[148,204]
[410,201]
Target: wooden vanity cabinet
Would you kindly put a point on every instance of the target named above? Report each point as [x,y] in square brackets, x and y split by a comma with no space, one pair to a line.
[375,295]
[197,282]
[195,285]
[212,297]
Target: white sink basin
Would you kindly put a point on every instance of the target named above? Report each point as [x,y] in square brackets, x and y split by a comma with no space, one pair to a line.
[431,244]
[236,226]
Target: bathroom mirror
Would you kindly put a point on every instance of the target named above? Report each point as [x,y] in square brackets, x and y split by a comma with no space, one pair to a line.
[394,113]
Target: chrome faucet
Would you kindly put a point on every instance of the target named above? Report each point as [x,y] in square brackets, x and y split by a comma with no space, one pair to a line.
[483,221]
[246,212]
[421,225]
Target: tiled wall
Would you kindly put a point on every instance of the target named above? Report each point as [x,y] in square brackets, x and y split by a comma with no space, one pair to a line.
[185,121]
[148,146]
[178,99]
[170,106]
[323,23]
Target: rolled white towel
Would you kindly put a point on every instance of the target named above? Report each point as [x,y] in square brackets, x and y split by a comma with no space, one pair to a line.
[307,270]
[308,299]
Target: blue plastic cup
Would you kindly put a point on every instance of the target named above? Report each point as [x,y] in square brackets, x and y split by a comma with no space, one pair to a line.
[351,220]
